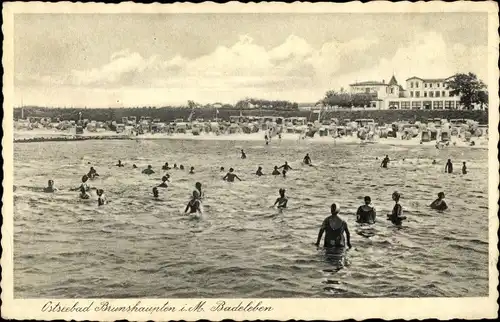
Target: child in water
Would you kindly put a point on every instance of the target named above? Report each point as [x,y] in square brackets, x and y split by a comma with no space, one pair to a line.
[396,217]
[50,187]
[281,201]
[191,171]
[439,203]
[101,200]
[194,204]
[259,172]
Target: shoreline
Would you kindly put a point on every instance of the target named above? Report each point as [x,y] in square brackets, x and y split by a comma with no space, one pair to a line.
[39,137]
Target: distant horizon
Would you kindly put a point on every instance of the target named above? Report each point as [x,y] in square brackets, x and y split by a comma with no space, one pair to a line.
[166,59]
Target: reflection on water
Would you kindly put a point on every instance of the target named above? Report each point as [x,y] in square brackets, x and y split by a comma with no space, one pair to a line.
[138,247]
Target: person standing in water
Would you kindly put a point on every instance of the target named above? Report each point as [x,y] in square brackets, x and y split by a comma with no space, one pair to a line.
[120,164]
[284,173]
[50,187]
[396,217]
[156,193]
[92,173]
[198,188]
[439,203]
[194,204]
[149,170]
[267,139]
[366,213]
[84,187]
[385,162]
[163,183]
[464,168]
[281,201]
[229,177]
[165,166]
[101,200]
[307,159]
[448,168]
[243,155]
[175,166]
[335,229]
[259,172]
[276,172]
[191,171]
[286,166]
[221,169]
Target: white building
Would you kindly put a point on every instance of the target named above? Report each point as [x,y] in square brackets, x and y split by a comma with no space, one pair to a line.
[380,91]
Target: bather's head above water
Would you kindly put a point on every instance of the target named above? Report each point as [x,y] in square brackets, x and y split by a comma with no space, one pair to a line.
[368,200]
[334,209]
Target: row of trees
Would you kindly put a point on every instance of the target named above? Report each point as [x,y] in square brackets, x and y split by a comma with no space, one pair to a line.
[254,103]
[470,89]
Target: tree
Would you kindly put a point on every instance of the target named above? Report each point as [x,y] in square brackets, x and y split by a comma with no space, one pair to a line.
[483,98]
[343,99]
[468,87]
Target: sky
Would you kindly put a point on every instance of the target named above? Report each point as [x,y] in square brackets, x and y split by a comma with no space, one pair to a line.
[113,60]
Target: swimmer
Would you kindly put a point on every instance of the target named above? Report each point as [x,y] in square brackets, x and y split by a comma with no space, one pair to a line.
[276,171]
[163,183]
[464,168]
[284,173]
[434,162]
[194,204]
[175,166]
[50,187]
[243,155]
[366,213]
[448,168]
[307,159]
[439,203]
[83,193]
[259,172]
[83,186]
[335,229]
[281,201]
[221,169]
[397,212]
[156,193]
[286,167]
[102,198]
[191,171]
[385,161]
[134,166]
[120,164]
[229,177]
[181,167]
[149,170]
[198,188]
[165,166]
[92,173]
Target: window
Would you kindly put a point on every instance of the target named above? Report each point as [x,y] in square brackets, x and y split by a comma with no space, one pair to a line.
[438,93]
[425,94]
[425,85]
[447,105]
[438,105]
[416,105]
[430,85]
[411,84]
[416,83]
[411,94]
[405,105]
[417,94]
[443,93]
[438,84]
[392,90]
[431,94]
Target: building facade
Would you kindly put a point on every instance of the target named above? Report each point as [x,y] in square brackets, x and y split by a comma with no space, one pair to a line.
[420,94]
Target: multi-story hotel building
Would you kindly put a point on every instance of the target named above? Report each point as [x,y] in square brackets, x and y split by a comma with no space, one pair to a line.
[420,93]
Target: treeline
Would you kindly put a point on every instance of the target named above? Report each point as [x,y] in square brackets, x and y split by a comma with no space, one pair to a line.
[169,114]
[343,99]
[252,103]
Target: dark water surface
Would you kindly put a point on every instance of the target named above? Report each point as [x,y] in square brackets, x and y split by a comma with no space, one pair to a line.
[137,247]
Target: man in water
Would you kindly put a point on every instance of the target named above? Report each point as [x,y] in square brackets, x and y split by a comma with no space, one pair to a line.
[50,187]
[464,168]
[439,203]
[385,161]
[335,229]
[101,200]
[229,177]
[396,217]
[191,171]
[286,167]
[198,188]
[243,155]
[259,172]
[276,172]
[165,166]
[307,159]
[448,168]
[149,170]
[163,183]
[92,173]
[281,201]
[120,164]
[366,213]
[194,204]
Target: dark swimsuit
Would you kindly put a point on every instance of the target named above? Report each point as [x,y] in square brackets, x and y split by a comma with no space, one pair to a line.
[194,205]
[396,217]
[365,216]
[333,237]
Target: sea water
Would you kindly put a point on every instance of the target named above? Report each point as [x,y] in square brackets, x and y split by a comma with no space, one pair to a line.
[136,246]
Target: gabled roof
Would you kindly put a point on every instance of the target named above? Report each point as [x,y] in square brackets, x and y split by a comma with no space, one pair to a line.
[430,80]
[369,83]
[393,81]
